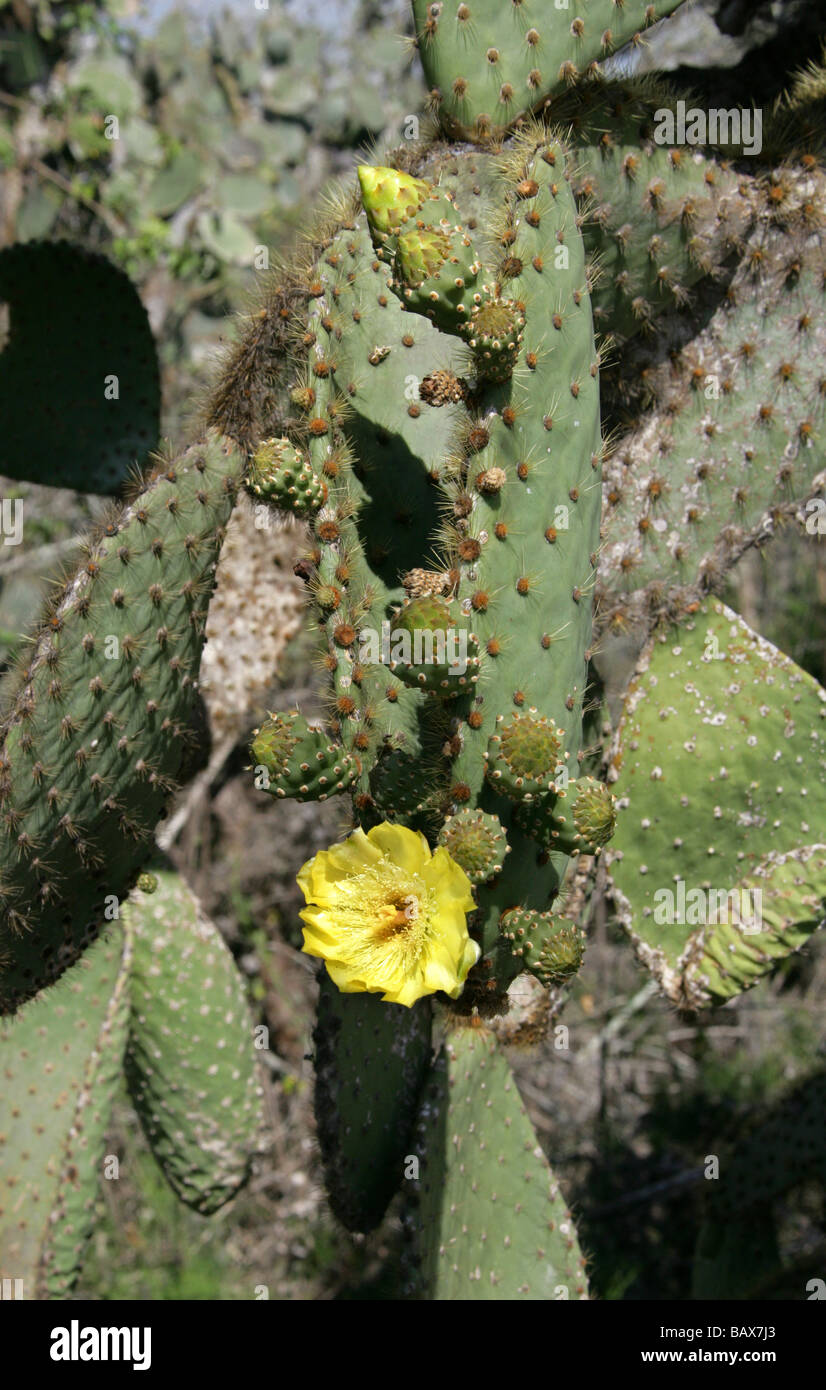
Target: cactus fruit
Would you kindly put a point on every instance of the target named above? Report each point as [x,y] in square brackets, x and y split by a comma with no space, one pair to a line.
[490,1222]
[297,759]
[80,402]
[477,841]
[552,948]
[282,475]
[62,1062]
[440,654]
[740,782]
[521,757]
[579,820]
[93,734]
[191,1062]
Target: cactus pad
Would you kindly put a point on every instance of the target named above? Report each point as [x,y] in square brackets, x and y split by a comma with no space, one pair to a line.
[371,1061]
[191,1060]
[61,1062]
[491,1222]
[93,737]
[739,779]
[80,393]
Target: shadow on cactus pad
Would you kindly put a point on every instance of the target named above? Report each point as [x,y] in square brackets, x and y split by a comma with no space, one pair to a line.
[79,383]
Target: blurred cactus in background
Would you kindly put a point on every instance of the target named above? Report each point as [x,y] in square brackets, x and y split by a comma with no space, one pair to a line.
[533,382]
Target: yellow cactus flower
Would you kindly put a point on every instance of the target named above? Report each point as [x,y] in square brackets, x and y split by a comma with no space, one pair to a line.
[389,916]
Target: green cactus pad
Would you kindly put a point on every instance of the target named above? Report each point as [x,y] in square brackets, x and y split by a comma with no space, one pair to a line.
[477,841]
[79,383]
[719,759]
[430,634]
[551,947]
[488,62]
[191,1062]
[658,217]
[97,723]
[371,1061]
[61,1060]
[281,474]
[579,820]
[491,1222]
[523,755]
[735,448]
[299,760]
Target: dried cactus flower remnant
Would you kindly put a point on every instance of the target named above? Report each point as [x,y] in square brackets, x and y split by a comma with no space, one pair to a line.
[388,916]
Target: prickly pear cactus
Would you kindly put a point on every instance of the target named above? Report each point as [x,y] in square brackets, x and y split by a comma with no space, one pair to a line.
[487,63]
[96,722]
[62,1062]
[371,1062]
[191,1063]
[80,339]
[421,390]
[719,763]
[491,1219]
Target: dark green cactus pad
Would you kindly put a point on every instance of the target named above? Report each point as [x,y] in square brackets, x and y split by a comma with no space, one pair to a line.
[477,841]
[408,787]
[659,218]
[735,447]
[487,63]
[281,474]
[719,759]
[552,948]
[79,383]
[191,1062]
[490,1222]
[61,1061]
[737,1252]
[94,734]
[371,1061]
[299,760]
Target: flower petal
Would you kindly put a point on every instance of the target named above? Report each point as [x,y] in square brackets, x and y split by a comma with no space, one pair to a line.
[407,848]
[319,877]
[410,990]
[448,880]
